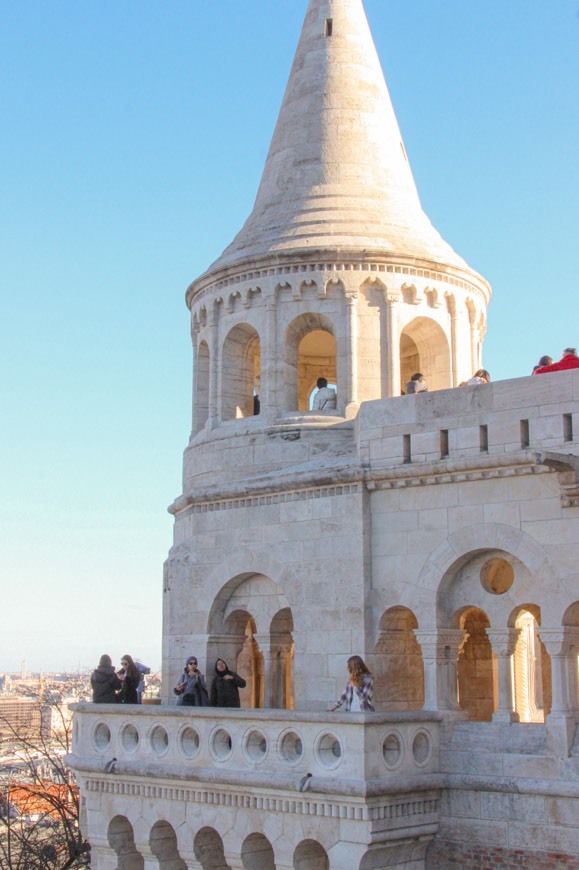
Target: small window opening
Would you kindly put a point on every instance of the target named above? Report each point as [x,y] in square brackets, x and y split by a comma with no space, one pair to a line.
[407,449]
[525,438]
[329,26]
[568,427]
[443,443]
[484,439]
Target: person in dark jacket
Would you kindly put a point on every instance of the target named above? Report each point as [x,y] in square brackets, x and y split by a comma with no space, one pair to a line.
[191,688]
[225,686]
[105,683]
[130,678]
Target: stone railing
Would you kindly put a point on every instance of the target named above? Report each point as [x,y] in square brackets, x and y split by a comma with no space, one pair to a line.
[494,423]
[351,754]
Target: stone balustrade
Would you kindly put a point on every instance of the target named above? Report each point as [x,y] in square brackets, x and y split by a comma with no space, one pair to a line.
[352,754]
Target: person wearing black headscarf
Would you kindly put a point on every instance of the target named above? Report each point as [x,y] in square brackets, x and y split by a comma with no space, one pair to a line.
[225,686]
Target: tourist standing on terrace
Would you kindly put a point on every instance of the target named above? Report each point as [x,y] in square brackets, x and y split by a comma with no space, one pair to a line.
[225,686]
[105,683]
[359,690]
[569,360]
[130,678]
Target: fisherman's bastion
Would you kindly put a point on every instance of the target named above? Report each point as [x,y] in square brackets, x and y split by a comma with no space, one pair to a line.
[436,535]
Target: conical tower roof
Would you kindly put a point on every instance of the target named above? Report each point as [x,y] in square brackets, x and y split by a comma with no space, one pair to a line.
[337,178]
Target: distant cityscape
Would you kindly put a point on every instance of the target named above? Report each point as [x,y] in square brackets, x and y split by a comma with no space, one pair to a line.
[35,735]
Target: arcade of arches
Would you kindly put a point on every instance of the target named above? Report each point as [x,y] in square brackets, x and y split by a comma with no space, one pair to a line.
[251,627]
[311,351]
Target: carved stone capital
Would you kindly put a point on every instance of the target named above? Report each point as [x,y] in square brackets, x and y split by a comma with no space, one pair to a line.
[503,640]
[559,641]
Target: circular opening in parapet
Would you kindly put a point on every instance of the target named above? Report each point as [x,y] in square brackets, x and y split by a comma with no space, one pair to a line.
[421,748]
[159,740]
[328,751]
[255,746]
[221,744]
[392,750]
[101,737]
[291,747]
[189,742]
[129,738]
[497,576]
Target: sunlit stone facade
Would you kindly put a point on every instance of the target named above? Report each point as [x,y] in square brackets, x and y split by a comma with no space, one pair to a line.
[436,535]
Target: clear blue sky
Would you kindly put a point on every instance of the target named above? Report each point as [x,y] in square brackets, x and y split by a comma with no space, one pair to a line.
[133,138]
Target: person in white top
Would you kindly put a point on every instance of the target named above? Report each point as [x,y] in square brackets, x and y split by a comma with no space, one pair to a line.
[325,399]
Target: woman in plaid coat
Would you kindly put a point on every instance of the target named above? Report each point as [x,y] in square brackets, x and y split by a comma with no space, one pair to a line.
[359,690]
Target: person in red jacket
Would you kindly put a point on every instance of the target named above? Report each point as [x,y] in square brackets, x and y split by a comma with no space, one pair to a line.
[569,360]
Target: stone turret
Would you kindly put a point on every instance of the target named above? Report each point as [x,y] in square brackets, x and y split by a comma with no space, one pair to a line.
[433,535]
[337,271]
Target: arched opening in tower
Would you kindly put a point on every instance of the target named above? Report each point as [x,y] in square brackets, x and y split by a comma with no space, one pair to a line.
[424,348]
[310,353]
[240,372]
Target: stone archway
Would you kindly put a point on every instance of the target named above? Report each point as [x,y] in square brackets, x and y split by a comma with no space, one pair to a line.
[257,853]
[251,623]
[424,347]
[398,667]
[477,690]
[163,843]
[240,372]
[531,667]
[208,848]
[310,855]
[122,841]
[310,352]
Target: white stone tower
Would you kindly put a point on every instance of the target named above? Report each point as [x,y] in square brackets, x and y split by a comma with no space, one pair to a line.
[435,535]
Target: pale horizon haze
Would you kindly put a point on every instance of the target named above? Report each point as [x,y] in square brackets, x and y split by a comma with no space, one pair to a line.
[133,139]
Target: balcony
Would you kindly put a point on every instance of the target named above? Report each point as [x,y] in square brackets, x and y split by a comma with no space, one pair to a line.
[355,755]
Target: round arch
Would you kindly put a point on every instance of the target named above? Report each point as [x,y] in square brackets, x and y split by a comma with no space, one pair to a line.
[121,839]
[240,372]
[424,347]
[397,662]
[310,351]
[445,562]
[208,848]
[310,855]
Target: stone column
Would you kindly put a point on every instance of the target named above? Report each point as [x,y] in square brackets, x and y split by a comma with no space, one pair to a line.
[195,366]
[351,397]
[264,643]
[102,857]
[473,341]
[214,364]
[559,643]
[392,345]
[451,305]
[572,671]
[268,396]
[440,648]
[503,642]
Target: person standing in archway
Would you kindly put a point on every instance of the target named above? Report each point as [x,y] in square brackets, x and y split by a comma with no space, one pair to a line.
[325,399]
